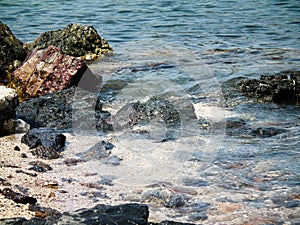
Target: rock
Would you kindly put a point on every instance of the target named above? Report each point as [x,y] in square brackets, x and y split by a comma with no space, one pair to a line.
[194,182]
[47,71]
[55,111]
[8,104]
[47,143]
[11,52]
[39,166]
[175,201]
[267,131]
[98,151]
[280,88]
[108,215]
[143,113]
[17,197]
[75,40]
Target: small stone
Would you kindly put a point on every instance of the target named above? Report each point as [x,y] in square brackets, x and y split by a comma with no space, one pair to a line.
[39,166]
[17,197]
[198,216]
[175,201]
[17,148]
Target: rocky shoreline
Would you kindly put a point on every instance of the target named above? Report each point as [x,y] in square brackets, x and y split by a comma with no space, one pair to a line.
[39,81]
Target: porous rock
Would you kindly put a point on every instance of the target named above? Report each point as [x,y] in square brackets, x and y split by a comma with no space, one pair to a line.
[75,40]
[47,71]
[279,88]
[11,52]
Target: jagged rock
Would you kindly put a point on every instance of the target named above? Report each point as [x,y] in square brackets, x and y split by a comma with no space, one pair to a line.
[47,143]
[11,52]
[8,104]
[281,88]
[75,40]
[39,166]
[47,71]
[109,215]
[143,113]
[55,110]
[98,151]
[17,197]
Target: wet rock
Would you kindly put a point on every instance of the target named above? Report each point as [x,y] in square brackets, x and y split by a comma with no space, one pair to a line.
[11,52]
[17,197]
[8,104]
[47,143]
[155,109]
[112,160]
[47,71]
[280,88]
[39,166]
[126,214]
[175,201]
[98,151]
[75,40]
[267,131]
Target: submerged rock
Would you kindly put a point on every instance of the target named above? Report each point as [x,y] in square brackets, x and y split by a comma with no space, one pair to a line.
[11,52]
[8,104]
[47,71]
[75,40]
[281,88]
[47,144]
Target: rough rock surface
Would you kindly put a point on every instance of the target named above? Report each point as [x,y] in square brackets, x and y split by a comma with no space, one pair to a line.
[11,52]
[8,104]
[17,197]
[55,111]
[47,71]
[46,143]
[75,40]
[281,88]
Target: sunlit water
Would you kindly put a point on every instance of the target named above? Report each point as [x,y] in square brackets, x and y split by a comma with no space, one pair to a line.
[204,45]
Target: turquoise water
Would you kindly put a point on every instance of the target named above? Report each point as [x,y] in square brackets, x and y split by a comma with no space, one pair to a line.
[207,43]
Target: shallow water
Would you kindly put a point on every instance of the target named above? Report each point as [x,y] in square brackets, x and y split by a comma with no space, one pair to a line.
[190,53]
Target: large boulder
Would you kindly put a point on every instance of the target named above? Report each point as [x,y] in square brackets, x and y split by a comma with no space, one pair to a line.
[75,40]
[47,71]
[280,88]
[8,104]
[11,52]
[55,110]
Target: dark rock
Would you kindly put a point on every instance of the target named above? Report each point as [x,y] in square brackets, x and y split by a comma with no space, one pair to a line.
[17,148]
[108,215]
[11,52]
[17,197]
[39,166]
[56,110]
[23,155]
[175,201]
[143,113]
[267,131]
[75,40]
[98,151]
[73,161]
[47,143]
[47,71]
[280,88]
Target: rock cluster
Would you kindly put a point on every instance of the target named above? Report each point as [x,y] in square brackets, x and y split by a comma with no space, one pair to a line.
[281,88]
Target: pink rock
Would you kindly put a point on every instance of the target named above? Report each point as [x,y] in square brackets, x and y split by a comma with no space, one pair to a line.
[47,71]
